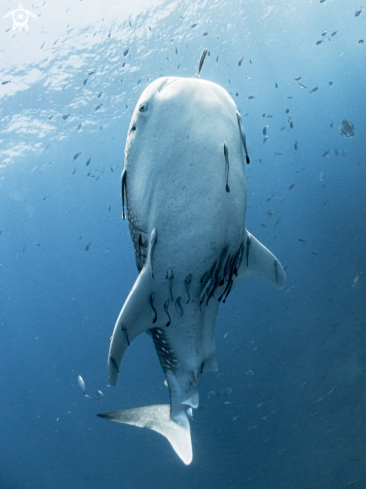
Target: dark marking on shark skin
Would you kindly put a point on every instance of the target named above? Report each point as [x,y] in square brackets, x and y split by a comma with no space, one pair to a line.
[221,261]
[276,269]
[187,283]
[247,250]
[170,276]
[226,270]
[178,305]
[228,290]
[226,154]
[123,189]
[203,364]
[222,271]
[242,135]
[114,363]
[124,329]
[204,290]
[212,292]
[229,279]
[152,297]
[140,241]
[166,305]
[240,258]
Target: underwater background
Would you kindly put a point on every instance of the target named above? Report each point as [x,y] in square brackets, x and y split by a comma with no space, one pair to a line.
[287,408]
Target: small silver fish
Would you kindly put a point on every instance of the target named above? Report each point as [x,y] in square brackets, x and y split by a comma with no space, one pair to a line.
[314,90]
[319,42]
[334,33]
[324,33]
[326,152]
[201,60]
[82,385]
[99,395]
[251,97]
[355,280]
[297,78]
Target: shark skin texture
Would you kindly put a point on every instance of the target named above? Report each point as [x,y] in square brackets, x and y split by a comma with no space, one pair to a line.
[184,190]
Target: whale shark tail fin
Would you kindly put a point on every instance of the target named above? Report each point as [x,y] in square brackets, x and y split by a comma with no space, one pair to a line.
[136,316]
[157,418]
[258,261]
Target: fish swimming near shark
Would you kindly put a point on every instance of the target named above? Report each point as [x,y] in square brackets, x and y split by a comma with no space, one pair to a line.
[184,190]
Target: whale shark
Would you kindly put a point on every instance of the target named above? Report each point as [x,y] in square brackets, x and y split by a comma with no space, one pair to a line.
[184,191]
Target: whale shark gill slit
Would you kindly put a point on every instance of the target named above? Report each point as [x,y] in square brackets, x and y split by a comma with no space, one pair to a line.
[276,269]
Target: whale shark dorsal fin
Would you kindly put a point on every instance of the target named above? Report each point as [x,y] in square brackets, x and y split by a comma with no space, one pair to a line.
[258,261]
[157,418]
[133,319]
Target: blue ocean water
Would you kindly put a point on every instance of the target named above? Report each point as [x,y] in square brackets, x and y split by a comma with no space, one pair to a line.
[286,409]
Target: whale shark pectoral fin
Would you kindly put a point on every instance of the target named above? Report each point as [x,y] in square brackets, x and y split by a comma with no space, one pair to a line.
[257,260]
[137,315]
[157,418]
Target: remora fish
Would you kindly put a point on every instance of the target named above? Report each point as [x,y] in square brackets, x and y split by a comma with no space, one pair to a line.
[190,242]
[200,61]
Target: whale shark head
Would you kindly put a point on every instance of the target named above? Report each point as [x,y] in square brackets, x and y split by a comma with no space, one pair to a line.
[184,188]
